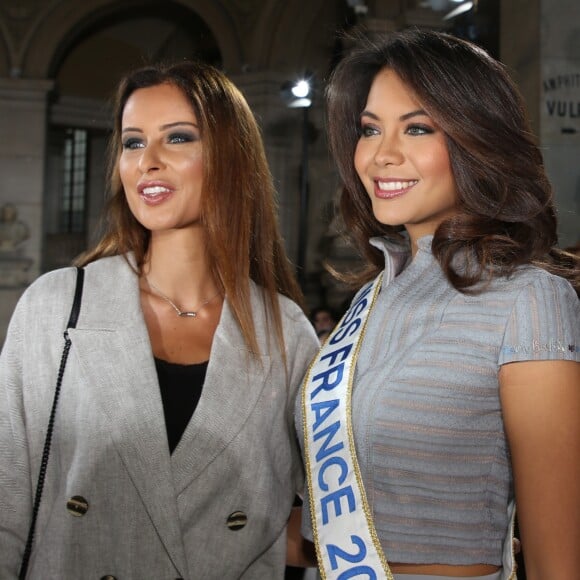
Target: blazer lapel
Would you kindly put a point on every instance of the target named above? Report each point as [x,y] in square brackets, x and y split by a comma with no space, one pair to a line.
[114,352]
[233,385]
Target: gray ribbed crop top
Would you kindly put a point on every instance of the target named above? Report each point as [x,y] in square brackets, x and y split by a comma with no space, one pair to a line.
[426,410]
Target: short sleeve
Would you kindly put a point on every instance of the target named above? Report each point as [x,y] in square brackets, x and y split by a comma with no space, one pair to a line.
[544,323]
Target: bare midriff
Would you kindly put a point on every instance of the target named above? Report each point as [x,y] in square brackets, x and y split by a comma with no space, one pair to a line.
[443,569]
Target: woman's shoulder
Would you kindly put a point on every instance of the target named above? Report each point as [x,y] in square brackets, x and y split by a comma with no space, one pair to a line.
[544,318]
[288,308]
[294,319]
[60,275]
[58,285]
[50,283]
[530,291]
[536,281]
[46,298]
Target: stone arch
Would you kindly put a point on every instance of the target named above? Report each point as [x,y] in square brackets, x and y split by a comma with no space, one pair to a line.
[62,26]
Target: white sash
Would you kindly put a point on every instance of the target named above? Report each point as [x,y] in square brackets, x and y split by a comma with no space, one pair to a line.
[347,545]
[346,542]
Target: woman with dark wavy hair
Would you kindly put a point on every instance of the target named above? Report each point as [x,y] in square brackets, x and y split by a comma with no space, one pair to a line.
[456,371]
[174,453]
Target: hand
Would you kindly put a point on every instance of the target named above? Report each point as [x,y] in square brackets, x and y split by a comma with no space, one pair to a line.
[300,552]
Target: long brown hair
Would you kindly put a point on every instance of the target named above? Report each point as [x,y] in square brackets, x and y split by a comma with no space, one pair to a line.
[506,209]
[238,208]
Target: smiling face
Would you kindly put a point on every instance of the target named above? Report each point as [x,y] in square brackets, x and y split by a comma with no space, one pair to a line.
[402,160]
[161,164]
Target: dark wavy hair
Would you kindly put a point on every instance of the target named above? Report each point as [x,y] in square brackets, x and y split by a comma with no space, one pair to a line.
[506,213]
[238,206]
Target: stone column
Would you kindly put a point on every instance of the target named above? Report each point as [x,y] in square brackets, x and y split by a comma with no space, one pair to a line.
[560,110]
[23,106]
[542,52]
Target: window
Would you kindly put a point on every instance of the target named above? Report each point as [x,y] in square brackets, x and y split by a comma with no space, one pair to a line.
[72,209]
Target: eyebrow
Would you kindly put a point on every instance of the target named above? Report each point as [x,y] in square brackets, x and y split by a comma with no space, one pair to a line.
[162,127]
[418,112]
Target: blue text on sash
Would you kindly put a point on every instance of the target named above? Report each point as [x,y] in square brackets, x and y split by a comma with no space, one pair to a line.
[333,470]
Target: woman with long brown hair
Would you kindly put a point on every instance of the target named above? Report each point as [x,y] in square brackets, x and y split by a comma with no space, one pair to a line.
[173,441]
[456,371]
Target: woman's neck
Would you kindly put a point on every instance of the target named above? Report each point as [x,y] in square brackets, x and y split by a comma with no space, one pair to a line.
[178,265]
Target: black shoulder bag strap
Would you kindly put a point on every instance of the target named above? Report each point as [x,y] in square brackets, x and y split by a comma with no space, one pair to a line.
[72,322]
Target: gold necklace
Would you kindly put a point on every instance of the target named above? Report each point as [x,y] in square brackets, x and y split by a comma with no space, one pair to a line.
[182,313]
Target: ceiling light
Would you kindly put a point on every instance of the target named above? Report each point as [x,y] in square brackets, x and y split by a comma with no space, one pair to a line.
[462,8]
[297,94]
[301,89]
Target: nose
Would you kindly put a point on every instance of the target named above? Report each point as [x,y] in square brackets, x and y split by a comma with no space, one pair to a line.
[388,151]
[150,159]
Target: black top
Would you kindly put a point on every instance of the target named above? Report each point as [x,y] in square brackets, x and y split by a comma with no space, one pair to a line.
[180,392]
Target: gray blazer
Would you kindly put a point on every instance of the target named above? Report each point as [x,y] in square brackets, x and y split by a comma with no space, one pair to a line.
[151,515]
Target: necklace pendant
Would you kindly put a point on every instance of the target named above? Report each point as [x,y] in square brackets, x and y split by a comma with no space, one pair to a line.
[188,314]
[180,313]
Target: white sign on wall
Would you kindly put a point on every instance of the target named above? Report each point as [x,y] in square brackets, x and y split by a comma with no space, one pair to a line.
[560,113]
